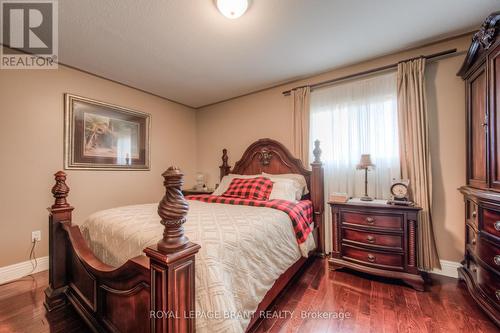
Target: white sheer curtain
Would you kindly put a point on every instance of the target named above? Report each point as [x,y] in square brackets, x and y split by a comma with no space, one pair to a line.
[354,118]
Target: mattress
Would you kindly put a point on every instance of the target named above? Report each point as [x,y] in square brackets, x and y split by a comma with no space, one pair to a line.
[243,251]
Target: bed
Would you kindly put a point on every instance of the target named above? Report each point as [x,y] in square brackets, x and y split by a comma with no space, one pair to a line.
[216,267]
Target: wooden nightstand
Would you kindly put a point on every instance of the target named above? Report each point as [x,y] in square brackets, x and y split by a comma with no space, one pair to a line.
[376,238]
[193,191]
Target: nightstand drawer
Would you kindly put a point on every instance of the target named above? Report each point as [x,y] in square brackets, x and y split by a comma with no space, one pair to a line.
[370,238]
[391,222]
[374,258]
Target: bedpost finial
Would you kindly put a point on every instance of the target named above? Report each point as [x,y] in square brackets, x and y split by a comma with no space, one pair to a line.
[173,209]
[60,190]
[317,152]
[224,168]
[224,157]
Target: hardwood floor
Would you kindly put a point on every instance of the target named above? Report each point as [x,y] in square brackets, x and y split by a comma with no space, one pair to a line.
[22,310]
[372,304]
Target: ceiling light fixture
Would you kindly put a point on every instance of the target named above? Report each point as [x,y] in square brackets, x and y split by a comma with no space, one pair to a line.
[232,9]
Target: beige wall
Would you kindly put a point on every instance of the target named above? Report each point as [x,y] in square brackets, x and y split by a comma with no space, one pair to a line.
[446,107]
[31,146]
[236,123]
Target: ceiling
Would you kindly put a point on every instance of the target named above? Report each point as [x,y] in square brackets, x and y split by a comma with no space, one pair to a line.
[184,50]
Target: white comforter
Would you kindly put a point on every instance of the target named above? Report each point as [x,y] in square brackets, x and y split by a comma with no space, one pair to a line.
[243,251]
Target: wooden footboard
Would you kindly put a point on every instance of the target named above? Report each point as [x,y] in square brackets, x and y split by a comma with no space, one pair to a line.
[152,293]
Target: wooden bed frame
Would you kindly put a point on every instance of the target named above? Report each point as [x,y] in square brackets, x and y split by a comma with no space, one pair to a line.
[155,292]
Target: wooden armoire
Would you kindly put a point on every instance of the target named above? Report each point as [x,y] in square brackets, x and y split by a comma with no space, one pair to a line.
[481,265]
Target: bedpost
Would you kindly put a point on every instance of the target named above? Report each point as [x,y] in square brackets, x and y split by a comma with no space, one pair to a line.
[172,263]
[60,213]
[224,168]
[318,197]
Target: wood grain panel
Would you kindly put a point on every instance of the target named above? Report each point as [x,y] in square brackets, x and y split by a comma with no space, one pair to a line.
[476,86]
[133,303]
[83,283]
[471,212]
[471,238]
[494,72]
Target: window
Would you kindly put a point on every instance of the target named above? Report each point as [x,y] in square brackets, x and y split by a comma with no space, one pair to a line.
[355,118]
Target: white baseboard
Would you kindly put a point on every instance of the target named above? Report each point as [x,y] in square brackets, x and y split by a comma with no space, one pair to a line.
[19,270]
[448,268]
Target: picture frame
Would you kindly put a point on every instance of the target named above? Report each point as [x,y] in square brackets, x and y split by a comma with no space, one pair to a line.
[103,136]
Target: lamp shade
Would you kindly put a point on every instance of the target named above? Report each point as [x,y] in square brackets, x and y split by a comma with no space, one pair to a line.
[365,162]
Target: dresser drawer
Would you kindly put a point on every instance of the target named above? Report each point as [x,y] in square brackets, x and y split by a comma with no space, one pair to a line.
[392,222]
[374,258]
[370,238]
[491,222]
[489,282]
[489,254]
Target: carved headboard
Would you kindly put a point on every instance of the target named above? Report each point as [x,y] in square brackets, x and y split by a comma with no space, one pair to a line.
[270,156]
[265,155]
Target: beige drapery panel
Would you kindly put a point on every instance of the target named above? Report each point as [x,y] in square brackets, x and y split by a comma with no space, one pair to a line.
[301,114]
[415,153]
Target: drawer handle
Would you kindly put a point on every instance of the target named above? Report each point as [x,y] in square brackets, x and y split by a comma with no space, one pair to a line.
[497,225]
[474,214]
[496,259]
[371,258]
[497,294]
[371,220]
[370,239]
[473,241]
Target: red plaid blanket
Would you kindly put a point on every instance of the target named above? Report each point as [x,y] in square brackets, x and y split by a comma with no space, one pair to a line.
[258,188]
[300,213]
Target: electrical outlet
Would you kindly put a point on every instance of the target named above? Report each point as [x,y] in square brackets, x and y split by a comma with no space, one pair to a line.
[36,236]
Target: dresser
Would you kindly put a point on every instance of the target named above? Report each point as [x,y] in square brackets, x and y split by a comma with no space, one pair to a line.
[480,268]
[376,238]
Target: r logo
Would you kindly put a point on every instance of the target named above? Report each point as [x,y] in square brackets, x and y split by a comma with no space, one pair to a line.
[28,27]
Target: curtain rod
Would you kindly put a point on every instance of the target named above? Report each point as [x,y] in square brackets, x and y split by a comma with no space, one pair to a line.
[371,71]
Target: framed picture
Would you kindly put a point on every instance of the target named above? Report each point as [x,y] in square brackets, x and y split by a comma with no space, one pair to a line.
[104,136]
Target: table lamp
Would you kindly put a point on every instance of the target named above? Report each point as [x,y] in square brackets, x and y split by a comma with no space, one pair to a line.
[365,163]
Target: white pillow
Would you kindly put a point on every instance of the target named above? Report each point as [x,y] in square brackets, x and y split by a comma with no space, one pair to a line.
[295,185]
[300,179]
[226,181]
[284,189]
